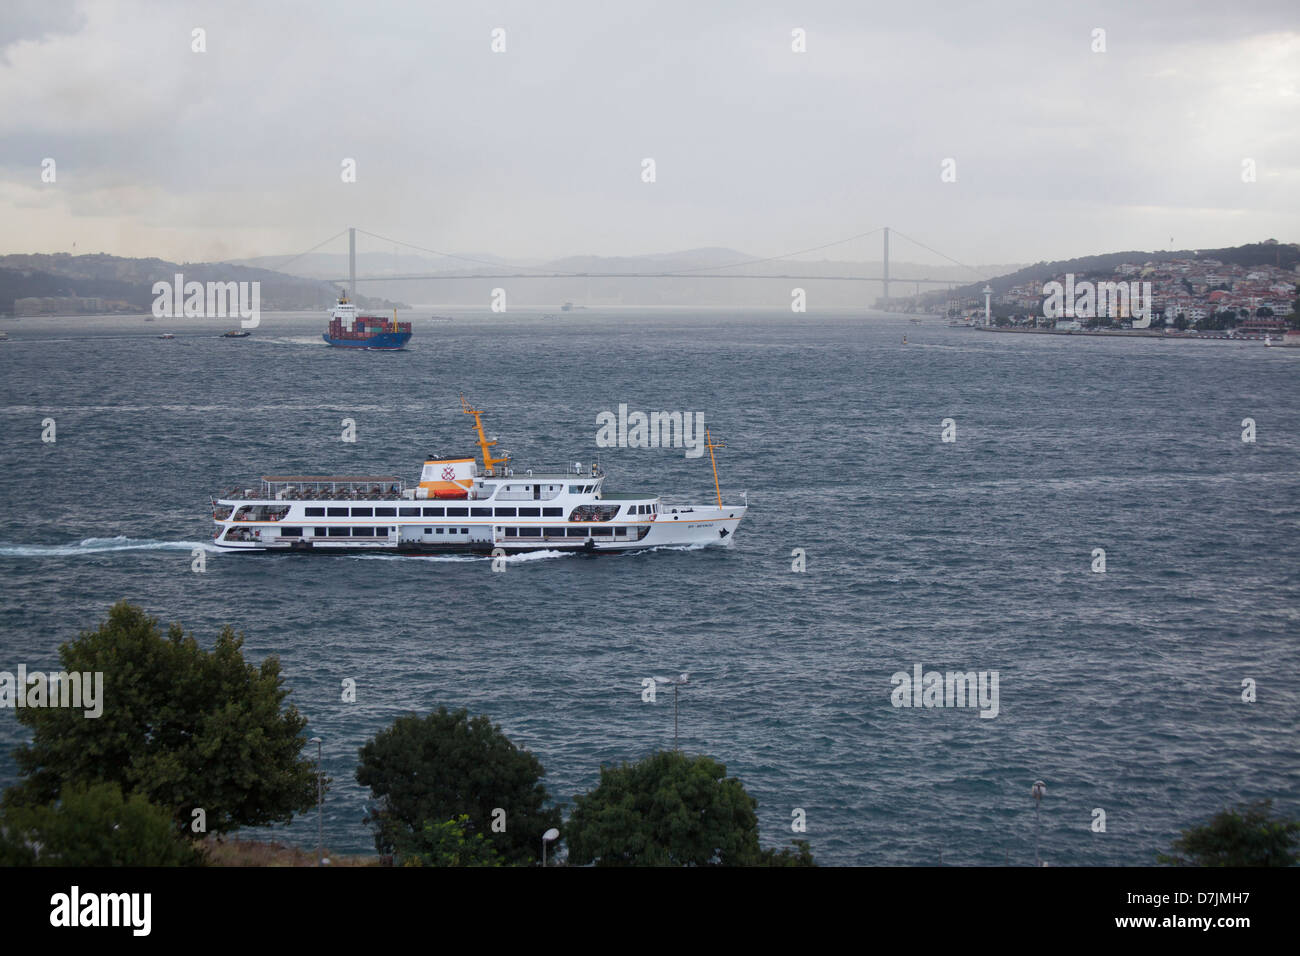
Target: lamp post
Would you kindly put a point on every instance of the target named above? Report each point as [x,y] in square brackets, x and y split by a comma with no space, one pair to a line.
[320,821]
[1037,791]
[682,678]
[550,836]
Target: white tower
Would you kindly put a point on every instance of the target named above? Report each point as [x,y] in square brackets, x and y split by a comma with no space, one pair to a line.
[988,295]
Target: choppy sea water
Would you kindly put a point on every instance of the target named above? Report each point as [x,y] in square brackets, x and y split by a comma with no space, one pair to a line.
[1121,690]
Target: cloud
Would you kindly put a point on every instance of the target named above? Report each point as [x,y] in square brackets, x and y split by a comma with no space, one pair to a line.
[536,152]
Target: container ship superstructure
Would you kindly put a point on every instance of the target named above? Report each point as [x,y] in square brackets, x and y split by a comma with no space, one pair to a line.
[462,506]
[349,330]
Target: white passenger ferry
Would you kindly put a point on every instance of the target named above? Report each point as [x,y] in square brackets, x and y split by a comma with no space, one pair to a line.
[460,506]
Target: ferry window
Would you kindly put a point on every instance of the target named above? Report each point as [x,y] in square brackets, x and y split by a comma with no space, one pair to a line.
[291,532]
[385,512]
[363,532]
[590,487]
[428,531]
[577,532]
[575,489]
[433,512]
[464,530]
[337,512]
[435,530]
[315,512]
[530,512]
[338,532]
[552,512]
[506,513]
[555,532]
[363,512]
[480,512]
[530,532]
[602,531]
[321,532]
[457,512]
[409,512]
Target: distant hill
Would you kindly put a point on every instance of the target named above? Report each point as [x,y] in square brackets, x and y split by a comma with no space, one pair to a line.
[126,285]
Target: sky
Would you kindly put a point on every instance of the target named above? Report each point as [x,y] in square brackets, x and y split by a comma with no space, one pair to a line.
[1182,130]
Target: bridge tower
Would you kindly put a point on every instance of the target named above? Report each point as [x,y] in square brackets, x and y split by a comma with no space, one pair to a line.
[352,264]
[885,273]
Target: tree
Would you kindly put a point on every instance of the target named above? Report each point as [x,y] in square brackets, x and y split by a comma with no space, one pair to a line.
[445,765]
[1247,835]
[187,729]
[93,826]
[447,844]
[670,810]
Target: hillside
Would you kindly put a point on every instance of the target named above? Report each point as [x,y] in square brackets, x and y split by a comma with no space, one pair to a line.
[102,283]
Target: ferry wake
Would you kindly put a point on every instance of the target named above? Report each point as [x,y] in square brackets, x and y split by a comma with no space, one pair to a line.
[460,506]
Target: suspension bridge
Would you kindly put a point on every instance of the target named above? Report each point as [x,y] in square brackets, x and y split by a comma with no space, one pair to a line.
[507,271]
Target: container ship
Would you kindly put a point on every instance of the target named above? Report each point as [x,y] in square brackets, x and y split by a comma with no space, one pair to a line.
[464,506]
[351,331]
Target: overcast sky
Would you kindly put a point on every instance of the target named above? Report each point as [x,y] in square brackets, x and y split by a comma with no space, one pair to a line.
[537,151]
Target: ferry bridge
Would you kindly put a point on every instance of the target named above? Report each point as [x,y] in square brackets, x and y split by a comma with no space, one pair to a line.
[500,271]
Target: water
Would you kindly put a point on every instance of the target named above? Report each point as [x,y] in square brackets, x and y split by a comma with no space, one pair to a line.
[1120,690]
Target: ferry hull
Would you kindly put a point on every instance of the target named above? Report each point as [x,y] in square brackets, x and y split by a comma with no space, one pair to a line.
[692,527]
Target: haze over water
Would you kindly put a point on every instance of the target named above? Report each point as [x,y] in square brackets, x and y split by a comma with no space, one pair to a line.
[1121,690]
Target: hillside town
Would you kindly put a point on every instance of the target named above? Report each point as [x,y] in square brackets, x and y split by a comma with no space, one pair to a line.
[1186,294]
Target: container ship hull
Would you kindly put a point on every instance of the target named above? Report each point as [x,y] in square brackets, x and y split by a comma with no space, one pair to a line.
[381,341]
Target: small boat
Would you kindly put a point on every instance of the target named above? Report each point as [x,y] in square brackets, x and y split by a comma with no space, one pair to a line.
[167,335]
[4,336]
[236,334]
[441,318]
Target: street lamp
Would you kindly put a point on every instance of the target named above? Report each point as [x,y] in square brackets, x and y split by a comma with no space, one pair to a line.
[550,836]
[682,678]
[320,796]
[1037,791]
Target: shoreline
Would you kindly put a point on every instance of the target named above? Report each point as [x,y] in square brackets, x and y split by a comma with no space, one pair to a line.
[1137,334]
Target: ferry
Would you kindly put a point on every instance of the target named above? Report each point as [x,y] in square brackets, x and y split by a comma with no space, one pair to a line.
[375,332]
[464,506]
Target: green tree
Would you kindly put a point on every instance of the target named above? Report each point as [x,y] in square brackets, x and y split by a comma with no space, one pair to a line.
[449,843]
[670,810]
[446,765]
[187,729]
[798,854]
[1246,835]
[93,826]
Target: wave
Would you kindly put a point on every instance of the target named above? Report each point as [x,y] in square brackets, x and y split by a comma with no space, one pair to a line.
[99,546]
